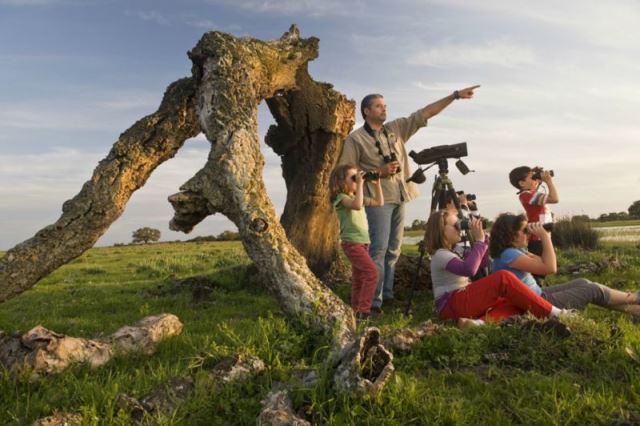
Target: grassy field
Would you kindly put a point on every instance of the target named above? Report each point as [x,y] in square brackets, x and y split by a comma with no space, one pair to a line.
[499,374]
[616,223]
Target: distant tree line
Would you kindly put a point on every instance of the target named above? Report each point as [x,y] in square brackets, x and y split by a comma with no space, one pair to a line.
[223,236]
[147,235]
[633,212]
[417,225]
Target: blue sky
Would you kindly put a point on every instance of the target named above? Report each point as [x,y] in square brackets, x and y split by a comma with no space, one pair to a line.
[559,89]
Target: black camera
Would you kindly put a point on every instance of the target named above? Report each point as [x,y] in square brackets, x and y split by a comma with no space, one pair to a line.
[431,155]
[391,157]
[548,226]
[465,224]
[371,175]
[368,176]
[537,173]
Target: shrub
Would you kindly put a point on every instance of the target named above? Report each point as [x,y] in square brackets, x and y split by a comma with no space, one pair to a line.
[223,236]
[574,232]
[228,236]
[417,224]
[145,235]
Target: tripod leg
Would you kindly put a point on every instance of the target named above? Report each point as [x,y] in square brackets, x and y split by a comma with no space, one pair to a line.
[435,195]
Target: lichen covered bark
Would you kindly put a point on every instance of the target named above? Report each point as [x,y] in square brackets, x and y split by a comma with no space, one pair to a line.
[139,150]
[41,350]
[233,76]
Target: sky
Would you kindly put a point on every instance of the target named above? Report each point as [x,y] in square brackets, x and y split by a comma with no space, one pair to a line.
[559,88]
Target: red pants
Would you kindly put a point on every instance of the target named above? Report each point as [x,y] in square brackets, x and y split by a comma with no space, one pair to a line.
[364,276]
[495,297]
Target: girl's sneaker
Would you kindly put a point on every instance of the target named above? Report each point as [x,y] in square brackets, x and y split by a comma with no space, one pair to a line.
[469,322]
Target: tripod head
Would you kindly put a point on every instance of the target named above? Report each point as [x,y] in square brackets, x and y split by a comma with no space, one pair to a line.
[443,191]
[438,155]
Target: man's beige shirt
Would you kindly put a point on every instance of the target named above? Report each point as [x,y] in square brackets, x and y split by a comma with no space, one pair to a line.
[360,149]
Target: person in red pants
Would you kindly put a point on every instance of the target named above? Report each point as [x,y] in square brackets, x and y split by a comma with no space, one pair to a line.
[346,191]
[494,297]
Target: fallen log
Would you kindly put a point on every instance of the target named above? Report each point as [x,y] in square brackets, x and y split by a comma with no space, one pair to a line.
[44,351]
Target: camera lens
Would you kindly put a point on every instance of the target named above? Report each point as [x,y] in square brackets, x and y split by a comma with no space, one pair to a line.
[537,174]
[465,224]
[371,175]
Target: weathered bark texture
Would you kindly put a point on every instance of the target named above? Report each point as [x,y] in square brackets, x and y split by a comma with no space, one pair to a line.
[312,122]
[233,76]
[366,366]
[165,398]
[405,274]
[143,147]
[42,350]
[277,410]
[60,419]
[403,339]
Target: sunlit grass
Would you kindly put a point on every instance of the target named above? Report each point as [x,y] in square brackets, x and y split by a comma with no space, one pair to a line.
[487,375]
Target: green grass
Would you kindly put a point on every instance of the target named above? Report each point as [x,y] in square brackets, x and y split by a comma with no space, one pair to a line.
[487,375]
[414,233]
[630,222]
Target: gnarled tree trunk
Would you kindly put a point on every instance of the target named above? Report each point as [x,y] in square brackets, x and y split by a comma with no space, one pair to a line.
[312,122]
[233,76]
[139,150]
[230,78]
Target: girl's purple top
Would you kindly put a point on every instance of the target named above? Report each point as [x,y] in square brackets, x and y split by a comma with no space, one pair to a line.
[473,260]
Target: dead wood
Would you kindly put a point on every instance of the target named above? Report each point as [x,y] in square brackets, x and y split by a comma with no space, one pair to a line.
[164,399]
[44,351]
[233,76]
[139,150]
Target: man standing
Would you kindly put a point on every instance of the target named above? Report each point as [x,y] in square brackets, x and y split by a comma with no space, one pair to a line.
[379,146]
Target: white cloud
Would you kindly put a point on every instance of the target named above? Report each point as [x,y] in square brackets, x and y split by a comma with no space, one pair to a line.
[203,23]
[129,100]
[293,7]
[30,2]
[149,16]
[608,24]
[102,111]
[371,44]
[503,53]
